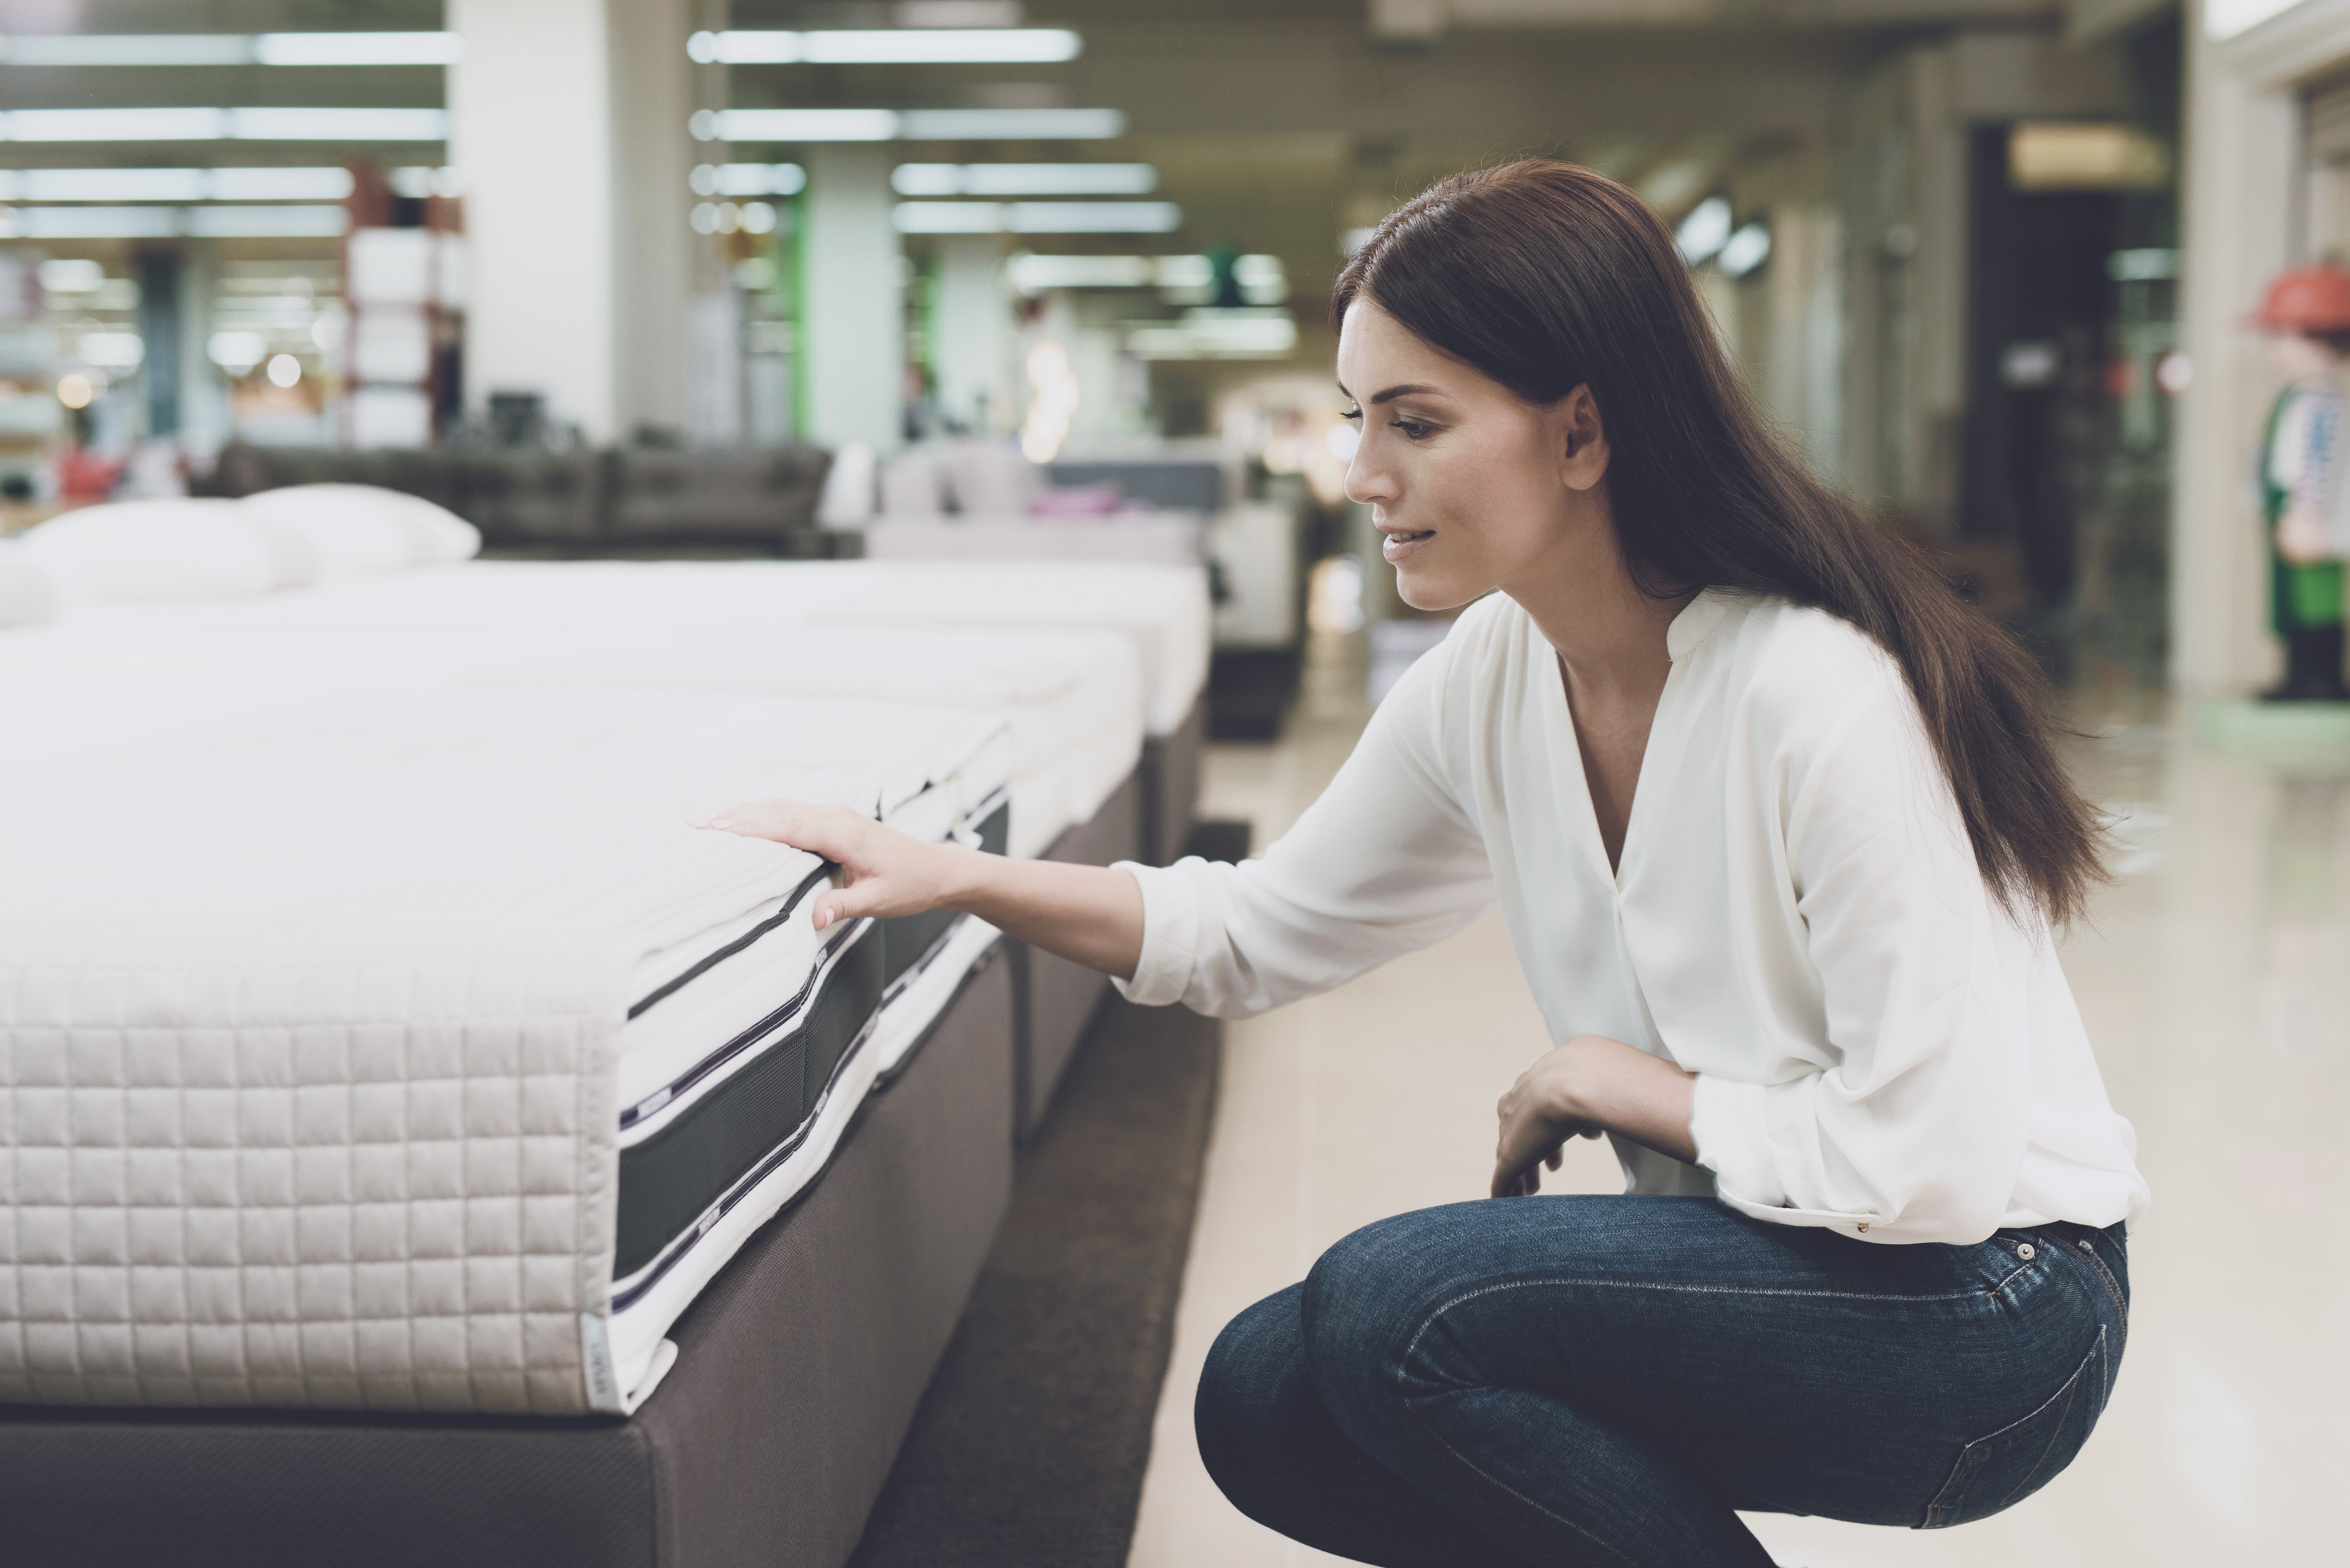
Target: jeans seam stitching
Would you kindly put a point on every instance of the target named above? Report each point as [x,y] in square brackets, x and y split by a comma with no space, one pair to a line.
[1404,1398]
[1935,1509]
[1482,1474]
[2072,1392]
[1709,1290]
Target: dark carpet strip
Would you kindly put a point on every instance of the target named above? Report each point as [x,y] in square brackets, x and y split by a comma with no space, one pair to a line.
[1029,1447]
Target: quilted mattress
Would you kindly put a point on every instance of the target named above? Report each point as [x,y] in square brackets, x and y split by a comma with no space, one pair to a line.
[1073,697]
[407,1053]
[1163,611]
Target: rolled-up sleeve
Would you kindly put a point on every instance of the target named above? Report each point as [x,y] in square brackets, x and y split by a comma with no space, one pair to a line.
[1384,862]
[1907,1119]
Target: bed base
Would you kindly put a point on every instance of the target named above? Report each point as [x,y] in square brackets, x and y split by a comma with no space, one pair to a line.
[798,1372]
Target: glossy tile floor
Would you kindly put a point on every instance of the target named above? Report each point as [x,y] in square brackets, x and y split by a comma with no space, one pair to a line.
[2215,977]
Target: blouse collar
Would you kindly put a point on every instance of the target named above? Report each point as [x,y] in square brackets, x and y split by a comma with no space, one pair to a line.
[1699,619]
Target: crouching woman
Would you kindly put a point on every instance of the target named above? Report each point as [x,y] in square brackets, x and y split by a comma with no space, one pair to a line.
[1781,836]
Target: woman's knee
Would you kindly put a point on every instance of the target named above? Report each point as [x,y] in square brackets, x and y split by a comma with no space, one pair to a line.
[1243,1387]
[1365,1297]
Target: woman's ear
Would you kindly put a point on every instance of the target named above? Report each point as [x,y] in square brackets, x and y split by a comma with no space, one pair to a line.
[1582,439]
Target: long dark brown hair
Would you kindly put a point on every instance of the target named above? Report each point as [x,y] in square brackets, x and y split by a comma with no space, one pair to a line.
[1545,277]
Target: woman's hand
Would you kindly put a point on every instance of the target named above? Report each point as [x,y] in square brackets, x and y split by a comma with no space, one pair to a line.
[1589,1086]
[883,872]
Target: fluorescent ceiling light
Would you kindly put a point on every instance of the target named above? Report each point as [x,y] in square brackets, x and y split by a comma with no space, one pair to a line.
[1744,251]
[1263,279]
[795,125]
[129,49]
[334,125]
[912,124]
[338,124]
[2079,155]
[1011,124]
[279,184]
[748,180]
[1037,217]
[1704,231]
[175,184]
[1025,179]
[417,48]
[168,223]
[114,124]
[359,48]
[268,223]
[2226,18]
[110,184]
[891,46]
[71,274]
[1215,334]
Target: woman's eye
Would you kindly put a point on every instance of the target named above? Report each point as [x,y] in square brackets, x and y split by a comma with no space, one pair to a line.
[1412,429]
[1352,414]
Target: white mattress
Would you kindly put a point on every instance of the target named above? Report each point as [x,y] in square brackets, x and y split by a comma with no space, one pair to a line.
[1162,610]
[1077,704]
[1073,699]
[317,1032]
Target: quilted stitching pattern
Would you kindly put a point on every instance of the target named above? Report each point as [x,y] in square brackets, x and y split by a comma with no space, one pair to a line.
[306,1090]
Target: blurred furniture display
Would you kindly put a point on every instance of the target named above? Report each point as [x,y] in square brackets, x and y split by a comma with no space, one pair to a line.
[1146,538]
[576,500]
[722,495]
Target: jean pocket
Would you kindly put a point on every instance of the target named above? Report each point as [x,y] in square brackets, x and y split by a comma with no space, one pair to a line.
[2018,1459]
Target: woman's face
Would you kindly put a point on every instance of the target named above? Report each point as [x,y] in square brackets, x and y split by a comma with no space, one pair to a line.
[1473,489]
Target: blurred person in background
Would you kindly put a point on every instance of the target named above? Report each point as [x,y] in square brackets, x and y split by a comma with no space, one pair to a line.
[1782,840]
[2306,312]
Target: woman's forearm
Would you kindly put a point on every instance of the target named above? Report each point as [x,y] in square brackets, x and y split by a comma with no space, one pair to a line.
[1090,914]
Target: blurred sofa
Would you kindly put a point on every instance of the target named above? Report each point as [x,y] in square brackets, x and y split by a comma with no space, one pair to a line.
[758,500]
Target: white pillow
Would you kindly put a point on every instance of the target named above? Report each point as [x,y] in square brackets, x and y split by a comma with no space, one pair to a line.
[169,549]
[361,528]
[28,591]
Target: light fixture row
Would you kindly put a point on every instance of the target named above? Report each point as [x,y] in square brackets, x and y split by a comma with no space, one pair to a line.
[158,223]
[906,124]
[888,47]
[363,125]
[410,48]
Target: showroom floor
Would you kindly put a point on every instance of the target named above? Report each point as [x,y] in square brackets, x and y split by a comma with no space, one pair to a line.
[2215,977]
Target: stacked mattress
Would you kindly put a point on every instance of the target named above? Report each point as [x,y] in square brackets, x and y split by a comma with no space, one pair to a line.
[373,1033]
[412,1053]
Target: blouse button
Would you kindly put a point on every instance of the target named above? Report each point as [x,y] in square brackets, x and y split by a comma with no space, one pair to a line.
[1863,1225]
[2024,1250]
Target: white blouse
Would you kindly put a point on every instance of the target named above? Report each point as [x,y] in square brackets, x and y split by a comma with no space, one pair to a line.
[1879,1048]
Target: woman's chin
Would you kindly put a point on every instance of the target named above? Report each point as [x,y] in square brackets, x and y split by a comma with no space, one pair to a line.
[1425,590]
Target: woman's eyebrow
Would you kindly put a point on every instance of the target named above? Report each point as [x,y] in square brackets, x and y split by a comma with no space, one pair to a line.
[1407,389]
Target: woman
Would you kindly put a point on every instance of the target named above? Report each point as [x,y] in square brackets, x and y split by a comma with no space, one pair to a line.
[1780,836]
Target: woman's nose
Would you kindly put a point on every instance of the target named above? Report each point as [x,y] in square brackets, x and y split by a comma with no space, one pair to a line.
[1368,482]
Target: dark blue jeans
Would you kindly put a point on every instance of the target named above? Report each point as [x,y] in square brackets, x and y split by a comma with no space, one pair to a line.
[1603,1380]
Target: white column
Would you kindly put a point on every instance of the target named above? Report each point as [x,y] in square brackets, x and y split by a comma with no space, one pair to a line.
[855,334]
[2236,199]
[567,120]
[973,320]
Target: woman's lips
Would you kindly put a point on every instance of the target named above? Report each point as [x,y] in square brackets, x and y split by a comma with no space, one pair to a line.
[1403,545]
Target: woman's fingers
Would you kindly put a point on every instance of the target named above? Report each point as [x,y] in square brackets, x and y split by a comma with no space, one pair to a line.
[832,831]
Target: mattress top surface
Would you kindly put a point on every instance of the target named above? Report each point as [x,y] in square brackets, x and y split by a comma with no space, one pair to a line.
[421,826]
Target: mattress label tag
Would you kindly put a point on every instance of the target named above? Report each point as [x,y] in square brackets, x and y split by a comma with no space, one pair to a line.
[595,1357]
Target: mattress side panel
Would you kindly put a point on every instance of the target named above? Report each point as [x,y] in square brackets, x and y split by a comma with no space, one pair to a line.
[353,1186]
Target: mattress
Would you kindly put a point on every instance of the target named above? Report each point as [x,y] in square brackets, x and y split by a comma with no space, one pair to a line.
[407,1052]
[1073,696]
[1072,700]
[1162,610]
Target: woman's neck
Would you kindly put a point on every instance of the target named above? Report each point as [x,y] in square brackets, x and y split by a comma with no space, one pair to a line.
[1610,636]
